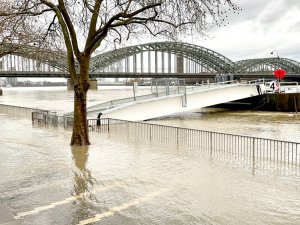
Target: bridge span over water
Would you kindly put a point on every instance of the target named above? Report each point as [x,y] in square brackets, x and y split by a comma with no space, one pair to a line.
[151,60]
[178,103]
[174,99]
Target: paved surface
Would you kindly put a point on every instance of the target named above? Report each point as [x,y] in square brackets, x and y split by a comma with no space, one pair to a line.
[6,218]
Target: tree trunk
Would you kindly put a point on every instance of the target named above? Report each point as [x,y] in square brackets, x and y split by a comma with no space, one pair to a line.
[80,136]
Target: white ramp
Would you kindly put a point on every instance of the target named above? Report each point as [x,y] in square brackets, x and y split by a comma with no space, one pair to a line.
[167,105]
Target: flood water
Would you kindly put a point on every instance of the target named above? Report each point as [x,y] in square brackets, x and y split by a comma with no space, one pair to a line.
[120,179]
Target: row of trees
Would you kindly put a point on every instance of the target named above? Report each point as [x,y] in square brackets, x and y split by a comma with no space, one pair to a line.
[80,27]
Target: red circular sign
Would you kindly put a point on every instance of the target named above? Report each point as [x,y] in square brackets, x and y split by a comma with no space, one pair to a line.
[280,73]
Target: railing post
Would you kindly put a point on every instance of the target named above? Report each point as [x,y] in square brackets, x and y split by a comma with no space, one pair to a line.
[177,136]
[211,144]
[184,98]
[253,150]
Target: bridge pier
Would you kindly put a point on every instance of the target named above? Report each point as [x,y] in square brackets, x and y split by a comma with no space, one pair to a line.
[70,85]
[93,85]
[179,62]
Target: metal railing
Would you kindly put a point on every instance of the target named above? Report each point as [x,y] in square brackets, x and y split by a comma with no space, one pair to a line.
[51,119]
[254,149]
[18,111]
[172,90]
[114,103]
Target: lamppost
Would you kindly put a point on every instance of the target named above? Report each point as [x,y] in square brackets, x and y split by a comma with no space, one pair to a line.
[277,56]
[272,52]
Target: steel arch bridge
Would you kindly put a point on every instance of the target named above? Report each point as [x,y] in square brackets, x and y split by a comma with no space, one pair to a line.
[51,63]
[56,60]
[266,65]
[209,59]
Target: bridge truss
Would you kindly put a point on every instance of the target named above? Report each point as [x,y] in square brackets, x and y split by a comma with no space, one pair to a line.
[193,58]
[268,65]
[32,58]
[166,59]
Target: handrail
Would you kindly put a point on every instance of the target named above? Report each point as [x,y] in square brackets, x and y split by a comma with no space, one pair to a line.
[241,146]
[192,129]
[253,148]
[117,102]
[20,111]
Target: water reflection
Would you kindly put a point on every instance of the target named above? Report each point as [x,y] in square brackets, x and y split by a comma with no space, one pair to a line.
[83,180]
[83,183]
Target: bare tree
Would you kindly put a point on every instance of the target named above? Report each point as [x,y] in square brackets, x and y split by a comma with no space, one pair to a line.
[17,30]
[85,24]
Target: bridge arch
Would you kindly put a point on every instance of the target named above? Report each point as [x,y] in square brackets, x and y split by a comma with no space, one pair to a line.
[209,59]
[214,62]
[268,65]
[32,58]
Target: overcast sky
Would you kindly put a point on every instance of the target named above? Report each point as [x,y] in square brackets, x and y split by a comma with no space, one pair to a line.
[262,26]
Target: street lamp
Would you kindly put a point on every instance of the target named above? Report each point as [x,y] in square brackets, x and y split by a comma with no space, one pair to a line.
[272,52]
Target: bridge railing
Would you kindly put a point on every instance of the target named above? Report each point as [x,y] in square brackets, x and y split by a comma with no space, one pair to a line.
[113,103]
[158,93]
[242,147]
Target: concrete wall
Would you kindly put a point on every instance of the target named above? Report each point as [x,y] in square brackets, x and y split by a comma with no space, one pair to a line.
[286,102]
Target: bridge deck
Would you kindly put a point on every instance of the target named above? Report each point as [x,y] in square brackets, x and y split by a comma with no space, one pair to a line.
[178,103]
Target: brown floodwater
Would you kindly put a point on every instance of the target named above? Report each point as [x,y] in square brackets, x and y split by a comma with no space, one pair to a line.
[122,179]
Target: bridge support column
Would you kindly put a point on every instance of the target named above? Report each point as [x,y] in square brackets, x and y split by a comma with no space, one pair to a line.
[93,84]
[70,85]
[169,62]
[179,63]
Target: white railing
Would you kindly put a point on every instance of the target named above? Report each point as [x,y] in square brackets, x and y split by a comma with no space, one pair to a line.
[160,93]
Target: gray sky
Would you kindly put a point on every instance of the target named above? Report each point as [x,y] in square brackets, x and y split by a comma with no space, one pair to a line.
[262,26]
